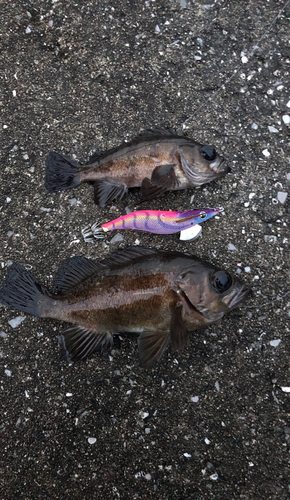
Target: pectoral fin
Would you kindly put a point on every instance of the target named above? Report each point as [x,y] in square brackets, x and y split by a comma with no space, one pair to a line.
[107,190]
[163,178]
[152,345]
[179,334]
[79,343]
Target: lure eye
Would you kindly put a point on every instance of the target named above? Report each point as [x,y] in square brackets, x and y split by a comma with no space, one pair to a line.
[208,153]
[221,281]
[202,215]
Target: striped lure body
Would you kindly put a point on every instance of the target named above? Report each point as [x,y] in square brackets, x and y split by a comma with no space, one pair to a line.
[157,221]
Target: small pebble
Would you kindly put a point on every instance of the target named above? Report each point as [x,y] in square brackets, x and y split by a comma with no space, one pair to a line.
[266,152]
[274,343]
[288,177]
[92,440]
[247,269]
[231,247]
[207,441]
[3,335]
[254,126]
[244,59]
[286,119]
[285,389]
[214,477]
[288,104]
[16,321]
[8,373]
[282,196]
[217,386]
[187,455]
[194,399]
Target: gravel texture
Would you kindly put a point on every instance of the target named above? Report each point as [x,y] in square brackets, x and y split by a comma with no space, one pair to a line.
[210,423]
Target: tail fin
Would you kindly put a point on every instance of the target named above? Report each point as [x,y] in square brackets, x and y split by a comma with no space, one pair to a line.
[61,172]
[21,291]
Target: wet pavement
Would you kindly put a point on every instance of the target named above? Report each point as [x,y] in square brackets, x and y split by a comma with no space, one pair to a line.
[214,421]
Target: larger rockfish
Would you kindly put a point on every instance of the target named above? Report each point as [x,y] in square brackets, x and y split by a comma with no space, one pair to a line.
[157,160]
[158,294]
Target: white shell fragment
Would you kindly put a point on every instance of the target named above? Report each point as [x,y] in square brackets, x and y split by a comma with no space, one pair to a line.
[286,119]
[190,234]
[275,342]
[117,238]
[92,440]
[285,389]
[16,321]
[143,414]
[282,196]
[270,238]
[272,129]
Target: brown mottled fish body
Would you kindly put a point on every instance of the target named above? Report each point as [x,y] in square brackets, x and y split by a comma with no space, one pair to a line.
[156,161]
[160,295]
[131,162]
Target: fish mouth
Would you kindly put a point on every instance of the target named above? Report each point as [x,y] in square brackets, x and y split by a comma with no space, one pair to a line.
[219,167]
[234,298]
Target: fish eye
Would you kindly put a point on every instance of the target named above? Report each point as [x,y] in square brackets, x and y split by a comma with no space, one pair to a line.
[208,153]
[221,281]
[202,215]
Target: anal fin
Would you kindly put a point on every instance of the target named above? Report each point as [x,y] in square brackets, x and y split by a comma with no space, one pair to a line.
[152,345]
[107,190]
[79,343]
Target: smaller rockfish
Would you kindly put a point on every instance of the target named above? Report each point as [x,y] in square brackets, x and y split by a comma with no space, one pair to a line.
[157,161]
[153,221]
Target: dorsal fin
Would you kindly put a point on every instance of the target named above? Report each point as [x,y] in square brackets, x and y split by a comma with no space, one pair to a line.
[74,270]
[158,131]
[128,256]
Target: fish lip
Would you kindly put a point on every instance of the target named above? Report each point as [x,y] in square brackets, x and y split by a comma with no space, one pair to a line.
[236,297]
[220,168]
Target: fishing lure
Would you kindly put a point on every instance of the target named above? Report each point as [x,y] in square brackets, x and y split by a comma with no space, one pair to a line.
[152,221]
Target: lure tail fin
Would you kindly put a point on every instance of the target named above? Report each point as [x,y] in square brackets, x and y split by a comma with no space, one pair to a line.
[91,232]
[61,172]
[21,291]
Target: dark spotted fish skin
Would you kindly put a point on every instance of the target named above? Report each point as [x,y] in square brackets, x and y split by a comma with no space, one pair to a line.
[157,161]
[160,295]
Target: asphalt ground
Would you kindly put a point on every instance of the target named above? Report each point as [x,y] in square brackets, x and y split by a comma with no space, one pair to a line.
[214,421]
